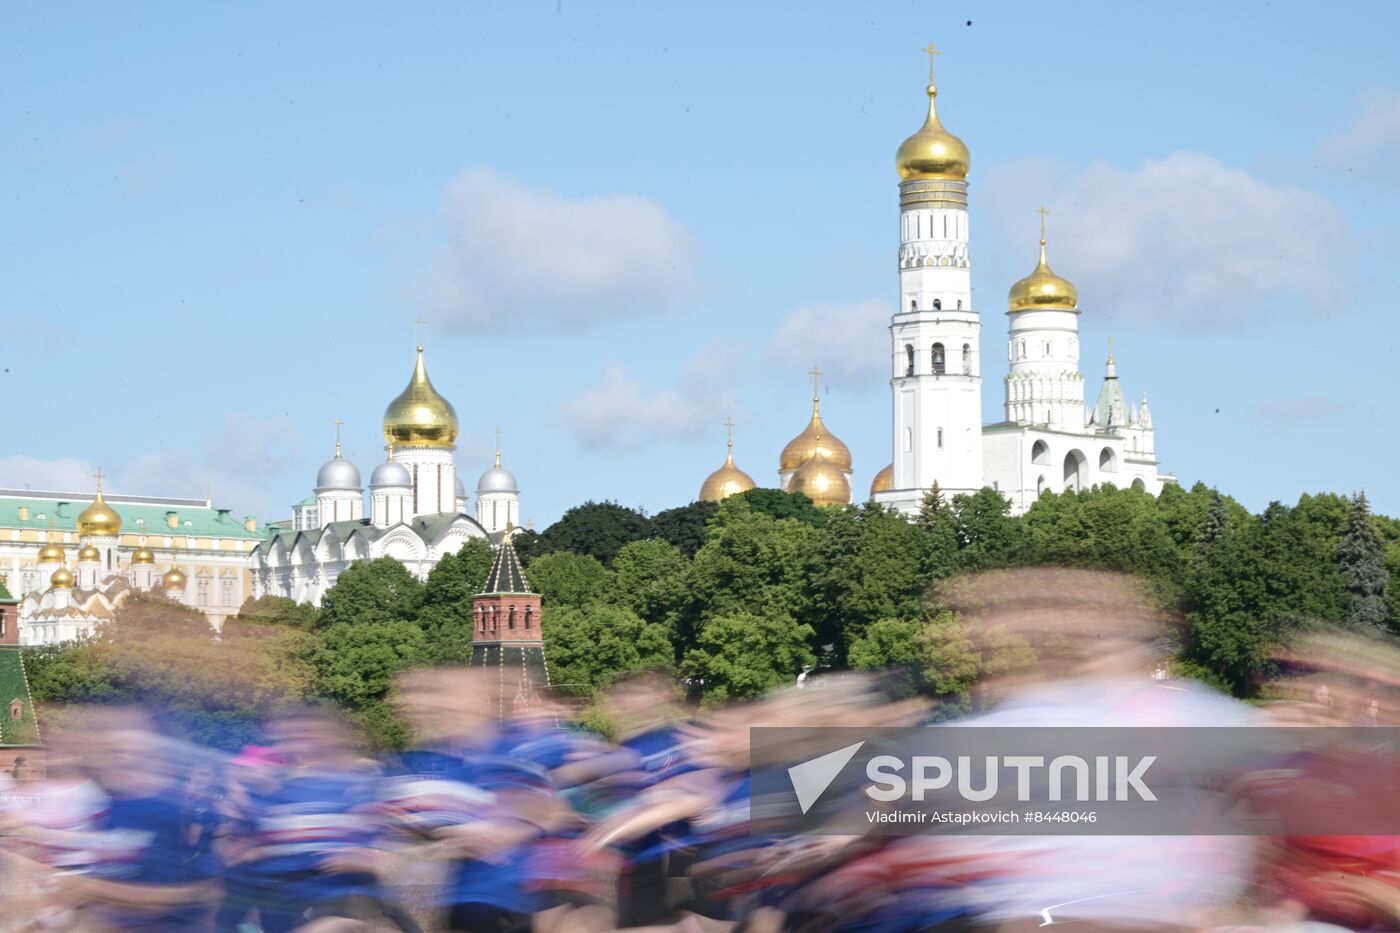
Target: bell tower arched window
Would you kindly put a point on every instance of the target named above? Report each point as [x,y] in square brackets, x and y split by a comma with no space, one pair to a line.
[938,304]
[908,359]
[967,359]
[940,362]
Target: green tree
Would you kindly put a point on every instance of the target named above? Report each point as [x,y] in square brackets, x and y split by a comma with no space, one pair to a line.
[1361,558]
[744,655]
[162,655]
[685,527]
[890,645]
[987,535]
[356,662]
[751,562]
[868,564]
[651,579]
[446,616]
[379,591]
[278,610]
[564,578]
[598,529]
[940,531]
[591,645]
[1213,524]
[775,503]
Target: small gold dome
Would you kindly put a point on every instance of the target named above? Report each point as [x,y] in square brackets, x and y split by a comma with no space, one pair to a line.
[99,519]
[822,481]
[727,481]
[420,417]
[933,152]
[50,553]
[143,555]
[815,439]
[173,579]
[883,482]
[88,552]
[1043,289]
[62,578]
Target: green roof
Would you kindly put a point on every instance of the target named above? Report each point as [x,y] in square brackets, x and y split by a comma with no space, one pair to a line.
[139,514]
[15,686]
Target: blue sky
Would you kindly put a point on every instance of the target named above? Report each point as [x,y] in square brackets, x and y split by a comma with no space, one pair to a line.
[625,222]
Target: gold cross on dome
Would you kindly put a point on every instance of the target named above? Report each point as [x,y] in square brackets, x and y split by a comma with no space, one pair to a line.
[1042,212]
[419,322]
[931,52]
[816,375]
[498,447]
[729,430]
[337,424]
[99,476]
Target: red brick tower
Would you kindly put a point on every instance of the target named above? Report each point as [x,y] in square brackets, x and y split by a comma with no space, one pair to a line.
[506,634]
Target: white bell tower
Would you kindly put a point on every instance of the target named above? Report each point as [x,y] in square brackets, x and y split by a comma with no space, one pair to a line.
[936,372]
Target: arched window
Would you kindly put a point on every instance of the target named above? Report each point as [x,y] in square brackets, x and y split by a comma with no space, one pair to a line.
[1040,486]
[16,710]
[959,304]
[940,363]
[940,438]
[908,359]
[967,359]
[1108,461]
[510,619]
[1139,484]
[1020,349]
[1040,453]
[1074,471]
[938,304]
[529,616]
[913,304]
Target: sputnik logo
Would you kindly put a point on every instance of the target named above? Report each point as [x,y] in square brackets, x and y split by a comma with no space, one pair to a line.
[811,778]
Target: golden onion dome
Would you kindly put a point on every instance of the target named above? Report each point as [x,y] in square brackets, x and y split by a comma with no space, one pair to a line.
[727,481]
[99,519]
[88,552]
[821,481]
[420,417]
[1043,289]
[173,579]
[883,482]
[815,439]
[143,555]
[62,579]
[50,553]
[932,152]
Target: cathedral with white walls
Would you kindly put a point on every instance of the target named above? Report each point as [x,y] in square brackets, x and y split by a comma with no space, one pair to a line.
[1049,439]
[418,506]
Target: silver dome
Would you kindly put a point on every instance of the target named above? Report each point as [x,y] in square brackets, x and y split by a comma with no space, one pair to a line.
[461,490]
[390,473]
[497,479]
[338,473]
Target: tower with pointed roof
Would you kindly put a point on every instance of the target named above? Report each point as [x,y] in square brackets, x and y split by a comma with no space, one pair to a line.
[19,727]
[935,361]
[506,632]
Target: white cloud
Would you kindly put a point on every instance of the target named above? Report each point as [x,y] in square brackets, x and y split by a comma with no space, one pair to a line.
[1306,409]
[849,342]
[1371,145]
[236,467]
[61,474]
[622,413]
[1186,239]
[521,257]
